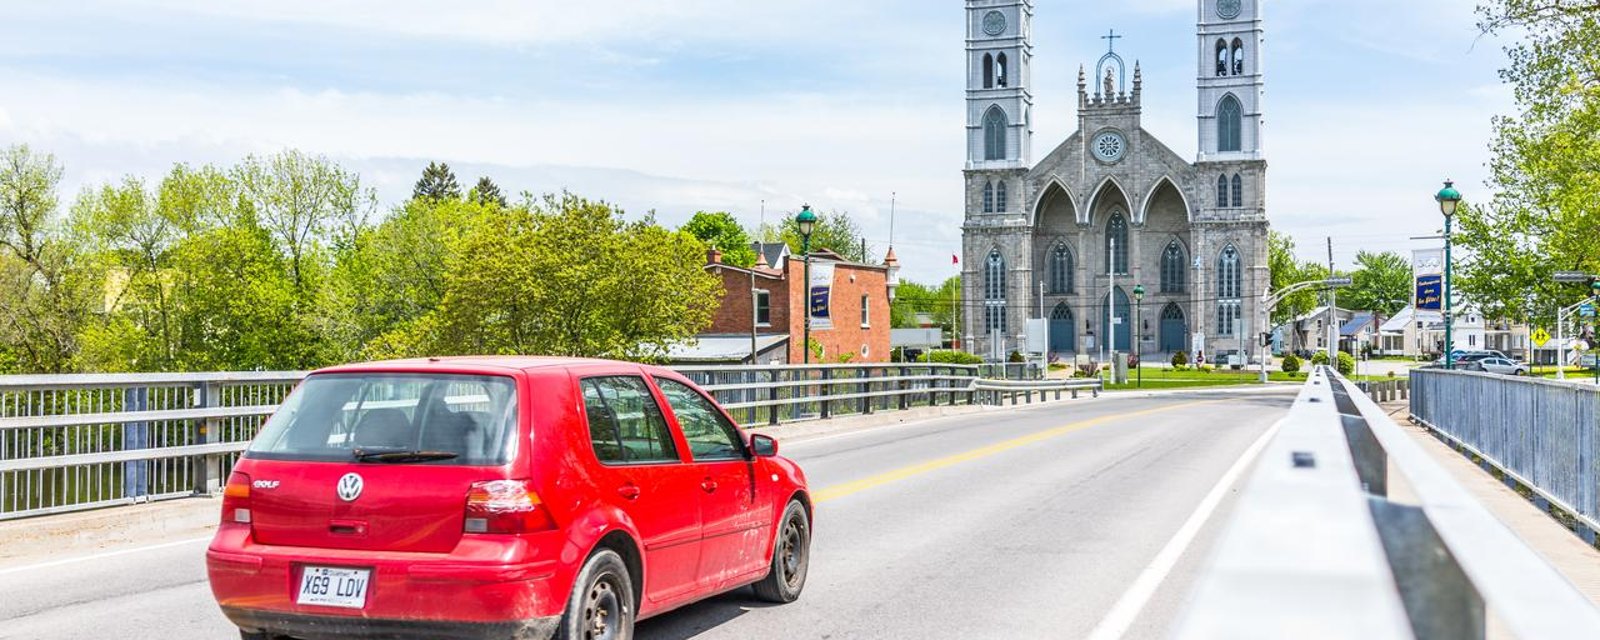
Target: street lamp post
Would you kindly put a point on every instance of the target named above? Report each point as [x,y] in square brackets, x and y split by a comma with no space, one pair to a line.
[1138,329]
[1448,199]
[806,222]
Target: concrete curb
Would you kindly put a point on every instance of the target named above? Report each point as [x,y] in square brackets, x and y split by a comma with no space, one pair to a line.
[61,535]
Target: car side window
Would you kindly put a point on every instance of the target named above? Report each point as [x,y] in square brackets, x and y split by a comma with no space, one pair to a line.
[626,425]
[710,435]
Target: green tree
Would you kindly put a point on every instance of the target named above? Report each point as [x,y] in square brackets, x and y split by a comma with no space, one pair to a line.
[721,231]
[835,231]
[1545,164]
[939,303]
[438,182]
[1287,271]
[1381,282]
[486,192]
[43,302]
[304,201]
[567,277]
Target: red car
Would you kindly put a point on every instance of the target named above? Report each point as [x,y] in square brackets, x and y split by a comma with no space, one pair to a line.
[500,498]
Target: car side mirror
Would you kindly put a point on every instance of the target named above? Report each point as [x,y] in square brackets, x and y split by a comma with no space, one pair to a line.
[764,446]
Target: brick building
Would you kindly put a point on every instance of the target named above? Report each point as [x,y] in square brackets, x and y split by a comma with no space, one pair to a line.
[859,308]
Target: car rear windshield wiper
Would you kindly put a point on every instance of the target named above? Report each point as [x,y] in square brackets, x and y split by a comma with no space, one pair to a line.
[392,455]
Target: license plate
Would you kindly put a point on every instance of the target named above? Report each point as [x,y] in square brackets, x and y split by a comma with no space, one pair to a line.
[331,587]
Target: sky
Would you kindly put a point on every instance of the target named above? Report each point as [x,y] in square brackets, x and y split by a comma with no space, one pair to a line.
[676,106]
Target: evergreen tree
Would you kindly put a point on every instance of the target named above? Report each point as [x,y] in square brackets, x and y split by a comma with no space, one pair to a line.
[438,183]
[486,192]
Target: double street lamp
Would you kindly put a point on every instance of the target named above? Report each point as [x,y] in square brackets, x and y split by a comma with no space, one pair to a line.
[806,222]
[1448,199]
[1138,331]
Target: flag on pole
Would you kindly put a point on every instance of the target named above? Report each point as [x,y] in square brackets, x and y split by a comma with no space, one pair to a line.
[954,259]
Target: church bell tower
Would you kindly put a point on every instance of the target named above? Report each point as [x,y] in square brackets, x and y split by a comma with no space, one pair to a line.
[1230,81]
[999,66]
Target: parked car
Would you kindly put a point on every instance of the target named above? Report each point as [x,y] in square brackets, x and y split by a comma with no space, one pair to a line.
[1504,366]
[1466,359]
[500,498]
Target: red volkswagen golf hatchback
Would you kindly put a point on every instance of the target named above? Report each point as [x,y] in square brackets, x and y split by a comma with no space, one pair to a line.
[500,498]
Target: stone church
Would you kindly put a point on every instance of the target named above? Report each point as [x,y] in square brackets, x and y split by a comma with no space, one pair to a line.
[1111,207]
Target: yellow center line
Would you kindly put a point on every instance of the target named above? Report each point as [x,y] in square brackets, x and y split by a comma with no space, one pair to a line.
[853,487]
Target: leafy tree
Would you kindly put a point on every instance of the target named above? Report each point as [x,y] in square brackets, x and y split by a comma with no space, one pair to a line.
[722,232]
[834,231]
[43,302]
[1545,166]
[1287,271]
[939,303]
[438,182]
[1381,282]
[566,277]
[486,192]
[303,200]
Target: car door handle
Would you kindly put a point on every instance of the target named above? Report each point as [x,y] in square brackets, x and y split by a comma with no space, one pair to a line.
[709,485]
[628,491]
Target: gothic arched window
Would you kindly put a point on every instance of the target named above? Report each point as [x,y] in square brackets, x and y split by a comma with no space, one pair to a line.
[1000,197]
[1222,57]
[1061,269]
[988,197]
[1173,268]
[994,134]
[1117,244]
[1000,70]
[1230,284]
[994,293]
[988,71]
[1238,57]
[1222,190]
[1230,121]
[1238,190]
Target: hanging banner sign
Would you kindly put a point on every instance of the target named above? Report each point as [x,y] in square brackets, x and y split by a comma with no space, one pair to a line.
[1430,293]
[1427,262]
[821,294]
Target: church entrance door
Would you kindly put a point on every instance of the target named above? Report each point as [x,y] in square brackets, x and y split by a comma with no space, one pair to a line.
[1063,331]
[1174,331]
[1124,328]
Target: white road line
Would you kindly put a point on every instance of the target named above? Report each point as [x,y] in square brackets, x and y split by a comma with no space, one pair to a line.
[101,556]
[1123,614]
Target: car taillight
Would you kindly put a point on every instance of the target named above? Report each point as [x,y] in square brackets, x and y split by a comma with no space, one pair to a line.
[505,506]
[236,499]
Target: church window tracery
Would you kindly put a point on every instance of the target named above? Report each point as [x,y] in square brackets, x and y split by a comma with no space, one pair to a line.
[1061,268]
[1222,58]
[1173,265]
[988,197]
[1117,244]
[1238,190]
[1230,122]
[994,293]
[1238,57]
[1230,284]
[1000,197]
[994,134]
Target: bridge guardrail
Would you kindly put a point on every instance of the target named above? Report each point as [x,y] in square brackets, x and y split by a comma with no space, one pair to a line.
[73,442]
[1543,434]
[999,392]
[1324,541]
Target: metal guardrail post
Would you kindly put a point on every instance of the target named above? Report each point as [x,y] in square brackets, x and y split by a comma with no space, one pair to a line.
[864,387]
[208,468]
[824,390]
[772,396]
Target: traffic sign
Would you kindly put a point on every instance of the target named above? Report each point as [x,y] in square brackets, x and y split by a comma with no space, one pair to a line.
[1572,276]
[1540,337]
[1338,282]
[1586,310]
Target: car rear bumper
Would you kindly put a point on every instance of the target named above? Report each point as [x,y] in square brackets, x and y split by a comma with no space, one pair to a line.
[506,588]
[320,627]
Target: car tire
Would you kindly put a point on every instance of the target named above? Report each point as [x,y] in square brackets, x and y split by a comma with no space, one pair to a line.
[601,605]
[791,557]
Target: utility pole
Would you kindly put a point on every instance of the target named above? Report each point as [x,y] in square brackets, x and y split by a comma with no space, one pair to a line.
[1111,309]
[1333,314]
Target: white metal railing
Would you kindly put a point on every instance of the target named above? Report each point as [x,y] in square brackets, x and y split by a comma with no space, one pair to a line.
[72,442]
[1325,542]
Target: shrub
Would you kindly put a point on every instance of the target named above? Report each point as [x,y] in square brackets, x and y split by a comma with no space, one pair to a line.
[1347,363]
[1180,359]
[1391,374]
[1016,357]
[1291,363]
[1319,359]
[950,357]
[1180,367]
[1208,368]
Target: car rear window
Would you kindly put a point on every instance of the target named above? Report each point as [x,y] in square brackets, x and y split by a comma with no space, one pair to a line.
[335,416]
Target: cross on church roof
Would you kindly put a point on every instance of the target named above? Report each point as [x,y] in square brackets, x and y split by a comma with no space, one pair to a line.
[1111,40]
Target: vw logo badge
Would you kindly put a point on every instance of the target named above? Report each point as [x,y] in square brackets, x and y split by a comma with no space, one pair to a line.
[350,487]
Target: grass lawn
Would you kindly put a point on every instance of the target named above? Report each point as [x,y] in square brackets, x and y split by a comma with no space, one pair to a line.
[1573,373]
[1158,378]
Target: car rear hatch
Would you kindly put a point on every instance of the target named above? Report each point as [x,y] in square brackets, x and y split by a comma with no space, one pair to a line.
[380,461]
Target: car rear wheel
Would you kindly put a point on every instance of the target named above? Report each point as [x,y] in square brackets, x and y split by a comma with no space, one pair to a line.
[791,557]
[601,605]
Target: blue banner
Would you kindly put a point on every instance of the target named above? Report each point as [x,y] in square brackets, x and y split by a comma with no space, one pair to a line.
[1430,293]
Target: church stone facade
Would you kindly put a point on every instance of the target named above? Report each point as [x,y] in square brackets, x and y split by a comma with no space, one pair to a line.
[1111,207]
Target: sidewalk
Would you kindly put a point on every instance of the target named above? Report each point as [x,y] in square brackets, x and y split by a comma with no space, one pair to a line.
[1569,554]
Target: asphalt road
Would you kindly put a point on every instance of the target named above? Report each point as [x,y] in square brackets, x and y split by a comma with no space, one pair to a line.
[1028,523]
